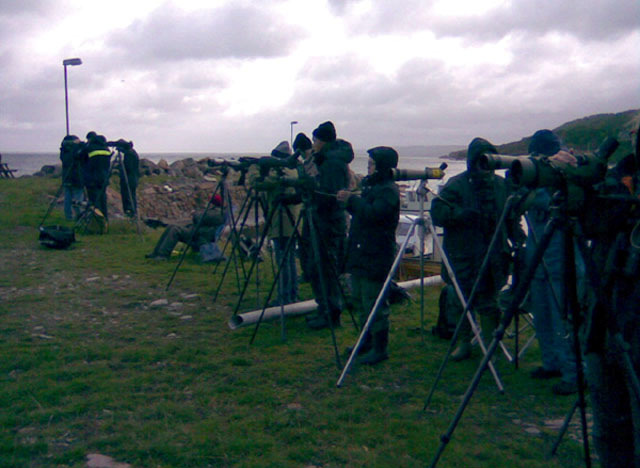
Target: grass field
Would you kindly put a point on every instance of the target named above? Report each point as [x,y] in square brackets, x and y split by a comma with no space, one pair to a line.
[90,366]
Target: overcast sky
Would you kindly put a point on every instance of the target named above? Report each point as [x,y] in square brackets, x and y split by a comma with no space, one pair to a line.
[230,76]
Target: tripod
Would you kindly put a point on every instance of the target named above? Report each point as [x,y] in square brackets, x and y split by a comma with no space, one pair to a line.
[194,230]
[559,220]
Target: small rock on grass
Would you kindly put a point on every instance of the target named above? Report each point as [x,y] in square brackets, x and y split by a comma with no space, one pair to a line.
[159,303]
[96,460]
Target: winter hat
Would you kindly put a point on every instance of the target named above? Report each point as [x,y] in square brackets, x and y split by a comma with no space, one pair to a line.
[384,156]
[325,132]
[545,143]
[477,147]
[301,143]
[283,150]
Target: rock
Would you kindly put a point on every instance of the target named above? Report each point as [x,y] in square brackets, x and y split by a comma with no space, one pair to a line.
[96,460]
[189,296]
[49,170]
[159,303]
[164,165]
[532,430]
[177,166]
[192,172]
[148,168]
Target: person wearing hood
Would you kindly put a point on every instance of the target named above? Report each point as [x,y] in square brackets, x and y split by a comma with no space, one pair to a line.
[331,157]
[468,208]
[72,179]
[371,246]
[546,293]
[130,176]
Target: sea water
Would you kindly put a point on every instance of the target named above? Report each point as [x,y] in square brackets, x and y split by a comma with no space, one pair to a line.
[29,163]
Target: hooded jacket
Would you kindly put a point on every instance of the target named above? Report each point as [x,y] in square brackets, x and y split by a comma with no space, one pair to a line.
[372,235]
[332,162]
[469,207]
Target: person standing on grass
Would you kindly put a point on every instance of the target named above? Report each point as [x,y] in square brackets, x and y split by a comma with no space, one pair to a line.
[468,208]
[371,246]
[331,158]
[72,180]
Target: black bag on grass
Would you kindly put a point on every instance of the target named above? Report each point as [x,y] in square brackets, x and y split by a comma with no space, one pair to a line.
[56,237]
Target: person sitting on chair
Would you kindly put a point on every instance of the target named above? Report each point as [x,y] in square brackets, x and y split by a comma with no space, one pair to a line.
[208,224]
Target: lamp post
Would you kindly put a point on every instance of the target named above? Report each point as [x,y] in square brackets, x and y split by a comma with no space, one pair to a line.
[65,62]
[292,123]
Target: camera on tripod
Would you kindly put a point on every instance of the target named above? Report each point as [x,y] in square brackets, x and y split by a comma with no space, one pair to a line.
[549,172]
[120,145]
[426,173]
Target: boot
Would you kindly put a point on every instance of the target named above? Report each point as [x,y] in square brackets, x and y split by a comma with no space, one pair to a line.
[364,347]
[318,322]
[378,352]
[463,350]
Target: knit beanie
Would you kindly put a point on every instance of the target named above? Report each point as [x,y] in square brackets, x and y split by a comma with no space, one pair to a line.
[301,143]
[325,132]
[283,150]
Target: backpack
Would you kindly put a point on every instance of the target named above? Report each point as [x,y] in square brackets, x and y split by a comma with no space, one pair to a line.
[210,252]
[56,237]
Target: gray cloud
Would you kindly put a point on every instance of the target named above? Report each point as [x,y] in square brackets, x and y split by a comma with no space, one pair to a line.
[170,34]
[589,20]
[585,19]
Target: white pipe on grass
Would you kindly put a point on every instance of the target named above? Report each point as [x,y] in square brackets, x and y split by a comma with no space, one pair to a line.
[305,307]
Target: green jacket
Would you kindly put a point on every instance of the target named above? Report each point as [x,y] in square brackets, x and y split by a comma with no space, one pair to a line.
[469,215]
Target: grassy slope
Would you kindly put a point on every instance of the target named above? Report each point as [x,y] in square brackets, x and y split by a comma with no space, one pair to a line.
[583,135]
[88,366]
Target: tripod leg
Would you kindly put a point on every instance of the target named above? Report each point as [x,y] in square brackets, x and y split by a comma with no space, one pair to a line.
[277,277]
[253,266]
[235,247]
[572,311]
[516,300]
[376,306]
[192,236]
[323,286]
[466,314]
[132,202]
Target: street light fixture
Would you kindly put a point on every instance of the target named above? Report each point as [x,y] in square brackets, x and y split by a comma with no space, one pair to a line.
[70,62]
[292,123]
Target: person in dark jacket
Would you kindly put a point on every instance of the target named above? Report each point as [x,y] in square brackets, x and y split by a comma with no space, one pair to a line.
[468,208]
[130,177]
[331,157]
[372,246]
[72,180]
[555,340]
[97,157]
[614,326]
[209,226]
